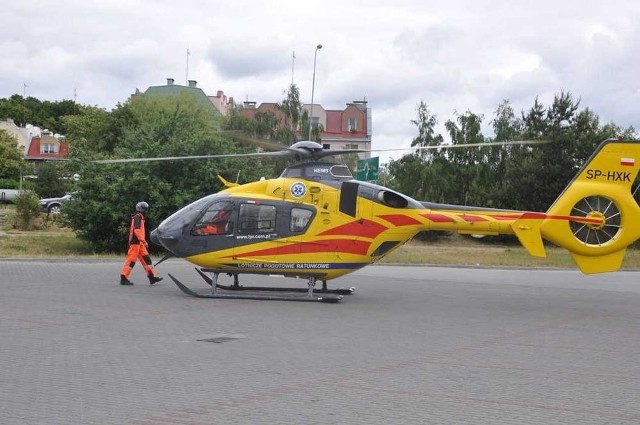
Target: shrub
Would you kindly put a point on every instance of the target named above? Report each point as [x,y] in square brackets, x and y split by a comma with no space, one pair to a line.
[27,209]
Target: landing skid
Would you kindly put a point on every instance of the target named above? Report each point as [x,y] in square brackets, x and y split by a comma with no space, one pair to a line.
[257,294]
[237,287]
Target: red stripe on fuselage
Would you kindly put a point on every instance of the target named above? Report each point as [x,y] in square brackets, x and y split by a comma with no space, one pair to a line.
[399,219]
[438,218]
[472,218]
[537,215]
[543,216]
[366,228]
[507,217]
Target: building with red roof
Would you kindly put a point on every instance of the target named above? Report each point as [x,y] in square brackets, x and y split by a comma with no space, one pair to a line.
[47,147]
[348,128]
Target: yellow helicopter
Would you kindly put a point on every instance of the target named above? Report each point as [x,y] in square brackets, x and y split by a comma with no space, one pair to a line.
[317,223]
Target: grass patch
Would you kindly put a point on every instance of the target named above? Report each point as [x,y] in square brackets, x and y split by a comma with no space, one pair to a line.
[50,239]
[461,251]
[38,245]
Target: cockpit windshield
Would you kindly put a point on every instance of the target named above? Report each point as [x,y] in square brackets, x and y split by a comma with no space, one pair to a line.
[177,222]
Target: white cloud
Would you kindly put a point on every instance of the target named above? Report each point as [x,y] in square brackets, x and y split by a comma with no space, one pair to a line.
[456,56]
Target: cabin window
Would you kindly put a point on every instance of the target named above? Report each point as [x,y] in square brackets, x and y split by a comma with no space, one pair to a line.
[300,219]
[352,124]
[341,171]
[217,220]
[255,218]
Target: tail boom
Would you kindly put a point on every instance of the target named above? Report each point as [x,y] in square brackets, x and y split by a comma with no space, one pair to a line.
[595,218]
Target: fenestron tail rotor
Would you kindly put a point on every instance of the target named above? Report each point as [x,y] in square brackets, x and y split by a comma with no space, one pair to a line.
[596,206]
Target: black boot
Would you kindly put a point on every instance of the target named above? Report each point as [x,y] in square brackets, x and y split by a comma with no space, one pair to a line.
[154,279]
[124,280]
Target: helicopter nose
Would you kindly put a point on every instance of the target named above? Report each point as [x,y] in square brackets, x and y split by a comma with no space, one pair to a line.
[173,233]
[154,237]
[168,241]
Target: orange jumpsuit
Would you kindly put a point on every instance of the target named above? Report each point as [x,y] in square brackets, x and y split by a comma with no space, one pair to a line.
[137,247]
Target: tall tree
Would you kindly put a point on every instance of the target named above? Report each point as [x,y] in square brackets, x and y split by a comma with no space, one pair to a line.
[466,129]
[506,127]
[11,156]
[96,130]
[158,127]
[52,181]
[534,122]
[433,174]
[292,108]
[559,162]
[421,174]
[44,114]
[426,125]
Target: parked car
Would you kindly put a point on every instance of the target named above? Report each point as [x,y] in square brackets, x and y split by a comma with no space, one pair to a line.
[52,205]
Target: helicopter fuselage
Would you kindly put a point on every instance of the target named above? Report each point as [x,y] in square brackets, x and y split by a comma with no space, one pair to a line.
[314,220]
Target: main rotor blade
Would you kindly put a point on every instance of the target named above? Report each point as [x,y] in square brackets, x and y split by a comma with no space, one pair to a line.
[245,138]
[176,158]
[466,145]
[304,151]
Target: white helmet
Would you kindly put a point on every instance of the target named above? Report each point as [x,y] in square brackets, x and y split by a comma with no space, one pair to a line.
[142,206]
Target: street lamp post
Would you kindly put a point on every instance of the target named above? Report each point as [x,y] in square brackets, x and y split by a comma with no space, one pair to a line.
[313,85]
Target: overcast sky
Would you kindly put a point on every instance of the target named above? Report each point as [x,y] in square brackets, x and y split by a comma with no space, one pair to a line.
[453,55]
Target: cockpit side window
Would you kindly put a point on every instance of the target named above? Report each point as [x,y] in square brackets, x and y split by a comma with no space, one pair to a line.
[300,218]
[255,218]
[216,220]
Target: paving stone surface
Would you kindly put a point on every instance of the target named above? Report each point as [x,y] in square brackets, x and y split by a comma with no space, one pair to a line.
[414,345]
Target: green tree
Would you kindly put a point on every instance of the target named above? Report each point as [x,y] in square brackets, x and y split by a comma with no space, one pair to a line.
[52,181]
[159,127]
[506,127]
[285,128]
[266,124]
[422,174]
[11,156]
[467,162]
[95,130]
[291,106]
[33,111]
[431,176]
[407,175]
[558,161]
[426,123]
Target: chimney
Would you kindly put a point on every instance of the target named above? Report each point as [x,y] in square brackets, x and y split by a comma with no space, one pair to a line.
[192,83]
[169,81]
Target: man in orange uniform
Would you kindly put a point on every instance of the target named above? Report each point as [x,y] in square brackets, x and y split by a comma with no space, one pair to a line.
[138,248]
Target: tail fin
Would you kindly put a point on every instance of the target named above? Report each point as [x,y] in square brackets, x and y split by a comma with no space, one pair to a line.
[596,217]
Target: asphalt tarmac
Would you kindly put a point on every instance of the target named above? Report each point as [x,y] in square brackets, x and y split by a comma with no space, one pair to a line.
[413,345]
